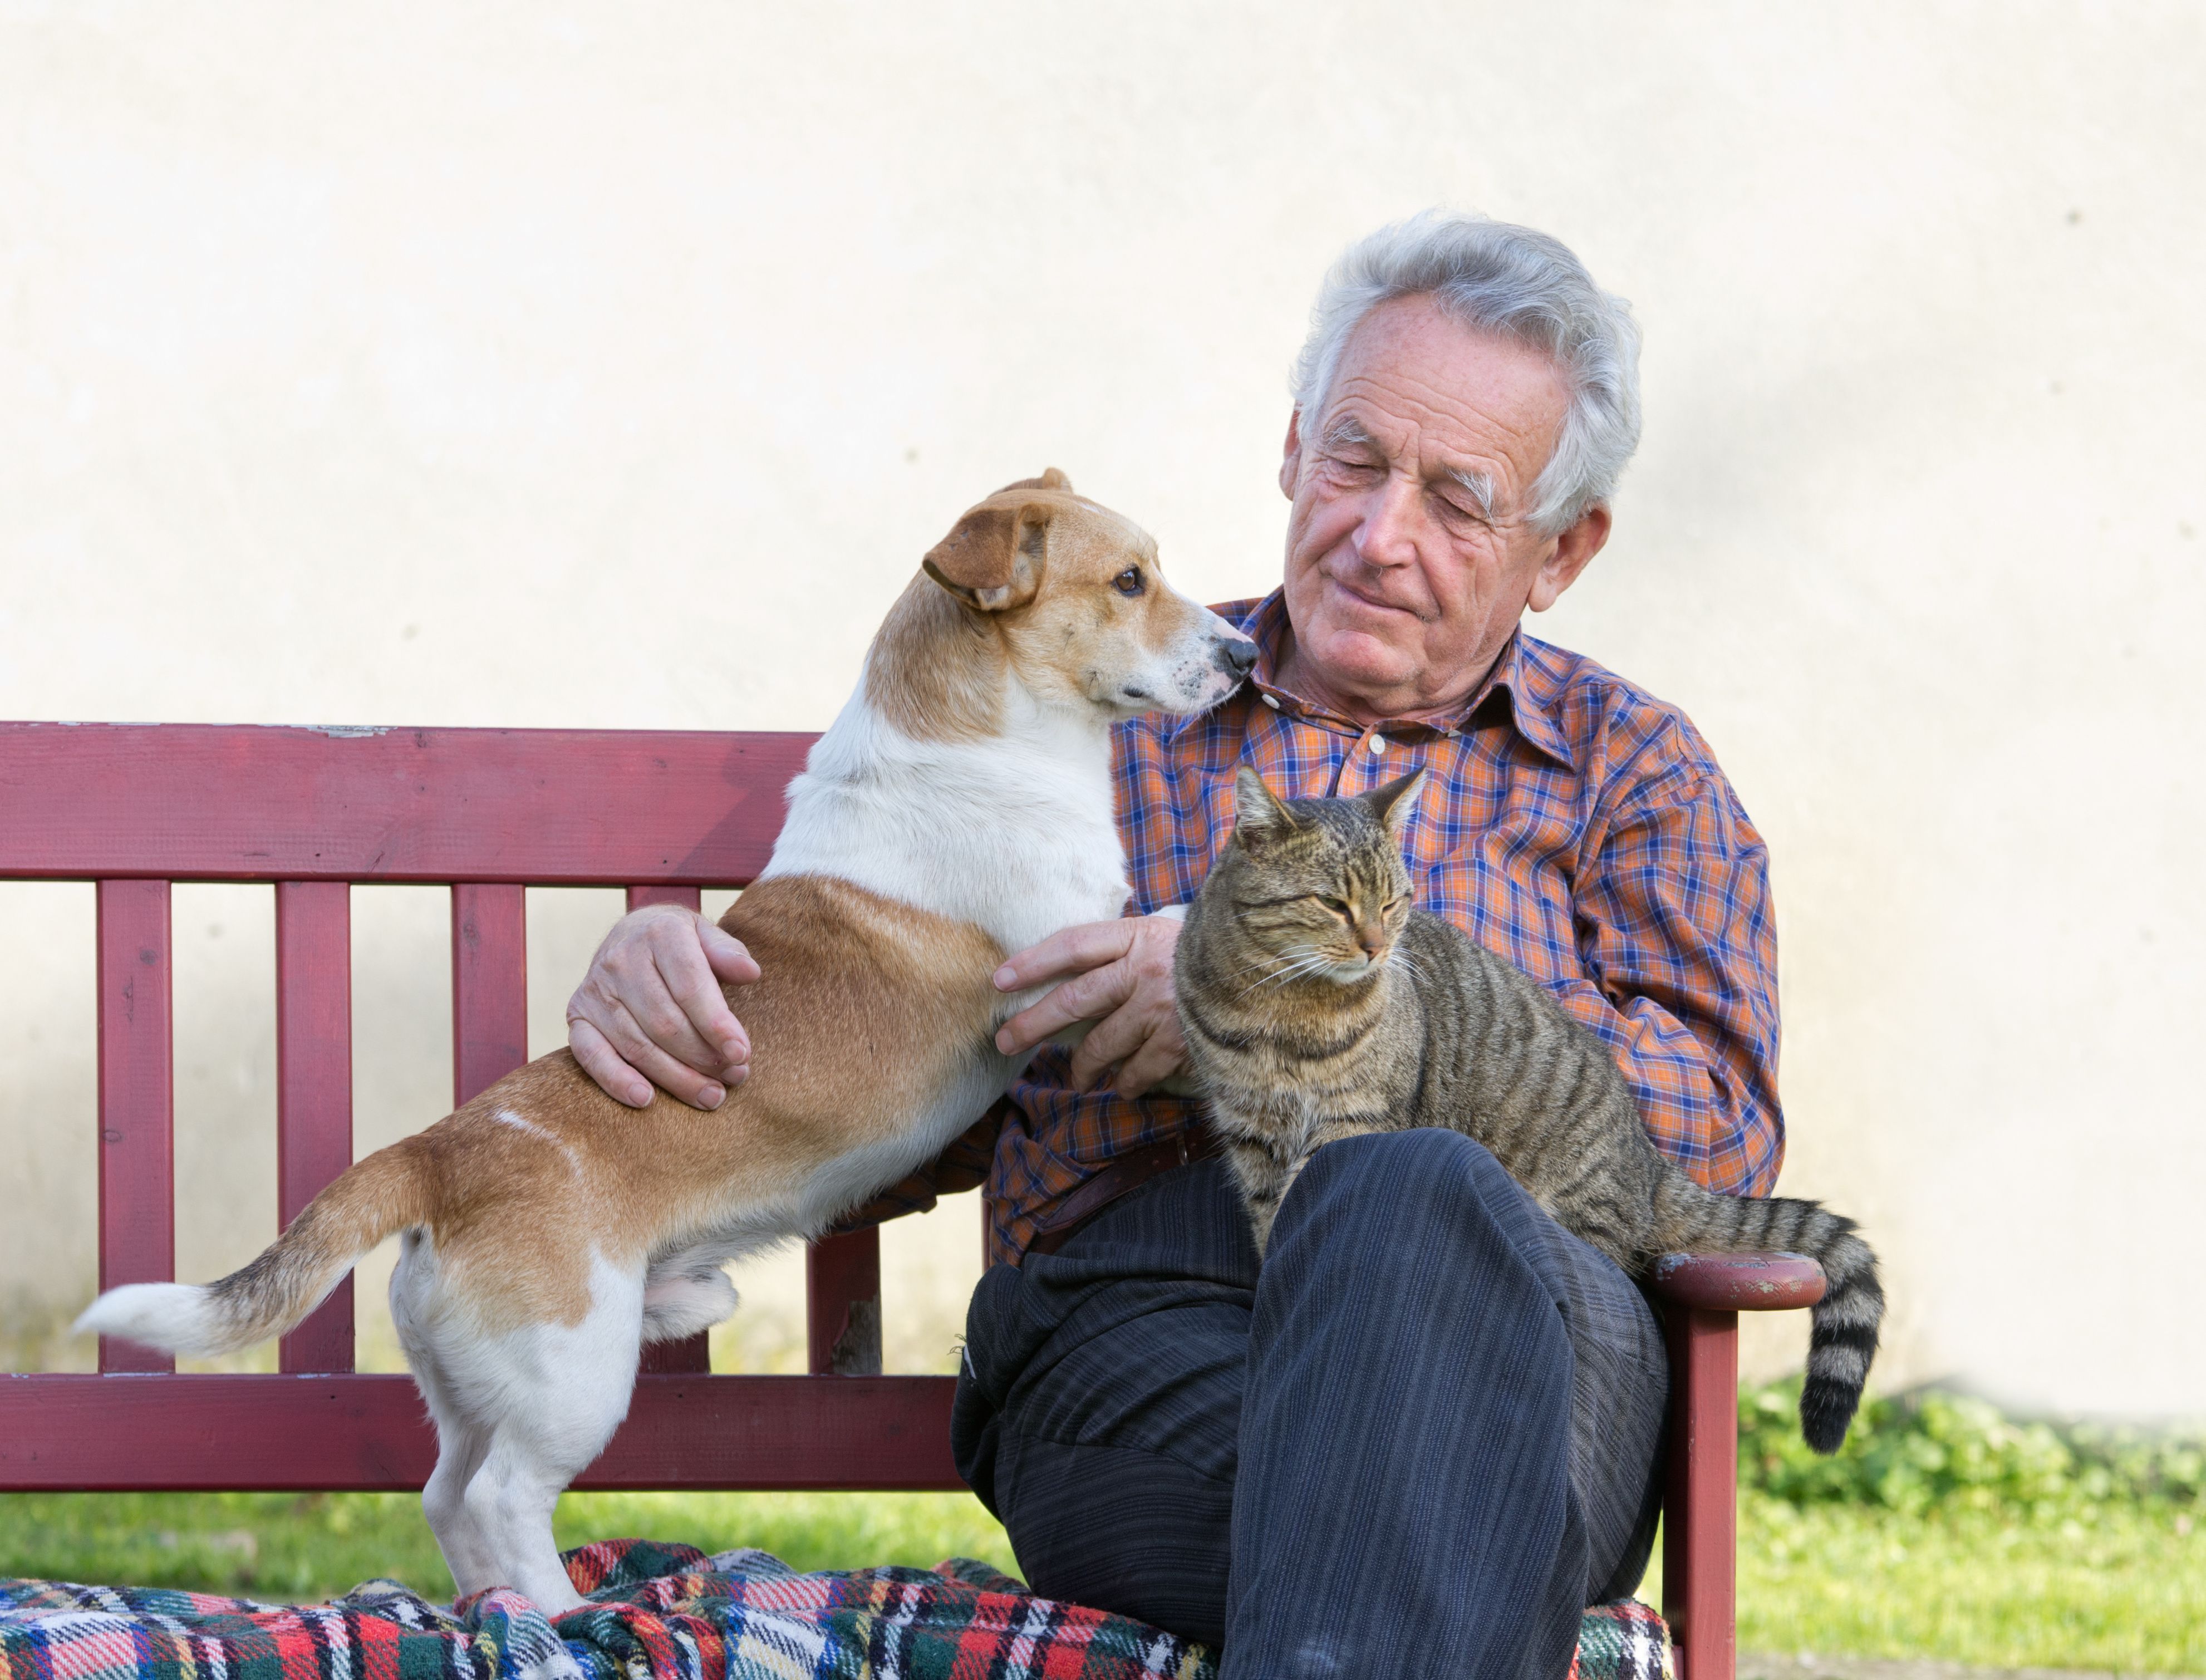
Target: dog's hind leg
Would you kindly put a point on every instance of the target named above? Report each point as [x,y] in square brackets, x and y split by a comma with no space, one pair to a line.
[419,1313]
[564,1390]
[461,1449]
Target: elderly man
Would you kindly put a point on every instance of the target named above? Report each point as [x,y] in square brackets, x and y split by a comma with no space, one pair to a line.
[1424,1435]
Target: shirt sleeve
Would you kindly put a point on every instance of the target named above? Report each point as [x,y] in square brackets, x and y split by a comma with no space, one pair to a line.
[1680,944]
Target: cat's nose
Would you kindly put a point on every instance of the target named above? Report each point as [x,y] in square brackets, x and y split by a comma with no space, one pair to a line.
[1372,943]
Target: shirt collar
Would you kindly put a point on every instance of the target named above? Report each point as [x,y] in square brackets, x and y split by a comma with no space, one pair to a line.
[1517,692]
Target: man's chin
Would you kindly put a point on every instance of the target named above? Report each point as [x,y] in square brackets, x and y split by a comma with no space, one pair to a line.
[1347,658]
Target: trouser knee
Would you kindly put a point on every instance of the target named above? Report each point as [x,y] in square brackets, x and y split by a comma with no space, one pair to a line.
[1389,1192]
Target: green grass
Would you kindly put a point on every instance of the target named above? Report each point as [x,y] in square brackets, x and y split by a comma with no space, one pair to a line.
[2120,1589]
[274,1546]
[1942,1530]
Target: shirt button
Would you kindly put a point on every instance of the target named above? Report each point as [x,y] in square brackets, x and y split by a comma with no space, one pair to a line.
[1377,743]
[1272,702]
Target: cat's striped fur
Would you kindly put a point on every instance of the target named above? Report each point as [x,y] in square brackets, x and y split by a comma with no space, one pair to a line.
[1318,1002]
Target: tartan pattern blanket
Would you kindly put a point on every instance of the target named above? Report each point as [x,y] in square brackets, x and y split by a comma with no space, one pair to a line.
[657,1613]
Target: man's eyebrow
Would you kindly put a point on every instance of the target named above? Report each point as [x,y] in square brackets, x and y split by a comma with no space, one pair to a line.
[1346,431]
[1478,486]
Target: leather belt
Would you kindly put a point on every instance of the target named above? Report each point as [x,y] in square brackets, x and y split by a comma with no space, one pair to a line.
[1121,1177]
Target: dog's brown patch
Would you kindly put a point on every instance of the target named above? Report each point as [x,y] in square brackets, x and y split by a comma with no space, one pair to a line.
[865,1008]
[936,670]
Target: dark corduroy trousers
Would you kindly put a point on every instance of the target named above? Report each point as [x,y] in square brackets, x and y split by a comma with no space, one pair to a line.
[1419,1441]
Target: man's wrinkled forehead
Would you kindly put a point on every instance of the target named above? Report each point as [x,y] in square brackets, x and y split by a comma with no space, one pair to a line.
[1469,400]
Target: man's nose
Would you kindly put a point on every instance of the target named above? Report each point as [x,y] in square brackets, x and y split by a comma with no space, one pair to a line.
[1240,655]
[1387,536]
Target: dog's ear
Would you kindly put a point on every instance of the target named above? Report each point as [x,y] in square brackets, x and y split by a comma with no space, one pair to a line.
[992,558]
[1051,478]
[1397,799]
[1259,817]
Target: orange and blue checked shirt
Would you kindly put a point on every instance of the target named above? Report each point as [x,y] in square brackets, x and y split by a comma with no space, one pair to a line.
[1572,823]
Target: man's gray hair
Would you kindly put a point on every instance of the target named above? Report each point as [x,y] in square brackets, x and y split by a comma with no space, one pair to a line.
[1522,284]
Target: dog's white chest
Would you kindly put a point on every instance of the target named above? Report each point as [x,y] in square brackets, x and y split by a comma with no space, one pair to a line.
[1014,834]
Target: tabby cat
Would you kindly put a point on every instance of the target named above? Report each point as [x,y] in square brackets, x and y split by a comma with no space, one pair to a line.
[1319,1003]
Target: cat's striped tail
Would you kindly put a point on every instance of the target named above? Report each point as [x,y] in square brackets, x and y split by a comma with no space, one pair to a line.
[1843,1326]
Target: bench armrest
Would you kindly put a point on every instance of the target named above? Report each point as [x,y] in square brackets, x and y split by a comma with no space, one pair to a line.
[1705,1294]
[1739,1282]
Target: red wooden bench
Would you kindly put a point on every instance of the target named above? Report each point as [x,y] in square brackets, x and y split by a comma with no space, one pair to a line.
[134,807]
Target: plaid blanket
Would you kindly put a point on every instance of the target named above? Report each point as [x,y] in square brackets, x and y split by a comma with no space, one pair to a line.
[657,1613]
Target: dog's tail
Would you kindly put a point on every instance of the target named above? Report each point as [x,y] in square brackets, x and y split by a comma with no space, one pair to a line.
[1843,1326]
[391,1190]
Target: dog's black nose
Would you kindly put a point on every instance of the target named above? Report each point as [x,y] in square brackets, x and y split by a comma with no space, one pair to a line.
[1240,656]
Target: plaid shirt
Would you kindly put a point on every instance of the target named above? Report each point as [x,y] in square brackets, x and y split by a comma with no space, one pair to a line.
[1573,825]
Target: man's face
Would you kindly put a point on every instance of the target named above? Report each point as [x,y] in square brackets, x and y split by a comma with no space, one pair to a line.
[1410,556]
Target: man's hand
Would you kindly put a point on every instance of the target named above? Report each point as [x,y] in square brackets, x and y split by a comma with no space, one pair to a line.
[1117,974]
[650,1011]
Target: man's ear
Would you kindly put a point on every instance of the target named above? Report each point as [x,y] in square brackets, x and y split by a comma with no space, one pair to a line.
[1259,817]
[1397,801]
[1290,459]
[992,558]
[1051,478]
[1574,549]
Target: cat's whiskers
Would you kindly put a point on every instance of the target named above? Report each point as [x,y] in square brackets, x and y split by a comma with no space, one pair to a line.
[1270,960]
[1410,963]
[1308,965]
[1295,961]
[1292,959]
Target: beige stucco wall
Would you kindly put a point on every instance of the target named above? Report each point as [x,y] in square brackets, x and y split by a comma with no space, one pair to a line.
[604,365]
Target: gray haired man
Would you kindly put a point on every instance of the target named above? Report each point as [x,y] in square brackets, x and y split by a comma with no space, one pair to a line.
[1423,1435]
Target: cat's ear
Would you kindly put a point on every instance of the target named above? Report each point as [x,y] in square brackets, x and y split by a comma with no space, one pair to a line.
[1259,817]
[1397,799]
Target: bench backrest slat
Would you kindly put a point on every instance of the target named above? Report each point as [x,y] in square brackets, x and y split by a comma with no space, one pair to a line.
[314,1087]
[490,985]
[553,807]
[694,1354]
[137,1151]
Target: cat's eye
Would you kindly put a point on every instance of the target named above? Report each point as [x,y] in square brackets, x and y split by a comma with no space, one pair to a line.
[1334,905]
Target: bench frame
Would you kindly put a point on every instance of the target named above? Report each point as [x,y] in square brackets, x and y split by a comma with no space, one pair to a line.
[134,807]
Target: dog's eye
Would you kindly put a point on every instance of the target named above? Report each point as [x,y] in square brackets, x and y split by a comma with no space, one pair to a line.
[1127,582]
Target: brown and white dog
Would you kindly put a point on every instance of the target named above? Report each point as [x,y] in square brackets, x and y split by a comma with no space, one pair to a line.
[959,809]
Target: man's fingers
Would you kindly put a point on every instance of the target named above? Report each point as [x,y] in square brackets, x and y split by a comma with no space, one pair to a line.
[1089,998]
[648,983]
[1162,1054]
[1038,1021]
[694,989]
[1109,1042]
[634,1046]
[730,960]
[618,1080]
[1070,950]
